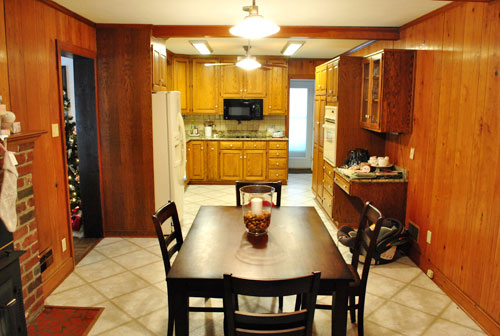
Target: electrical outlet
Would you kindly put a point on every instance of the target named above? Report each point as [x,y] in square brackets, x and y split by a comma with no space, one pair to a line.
[412,153]
[63,243]
[429,236]
[55,130]
[430,273]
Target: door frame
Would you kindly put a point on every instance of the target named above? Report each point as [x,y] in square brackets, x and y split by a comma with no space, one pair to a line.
[61,49]
[310,121]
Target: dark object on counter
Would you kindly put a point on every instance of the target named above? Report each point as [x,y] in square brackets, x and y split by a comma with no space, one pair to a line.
[391,236]
[356,156]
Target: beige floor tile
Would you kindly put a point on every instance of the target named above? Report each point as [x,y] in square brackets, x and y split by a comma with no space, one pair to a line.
[72,281]
[372,303]
[372,329]
[156,322]
[156,249]
[117,248]
[119,284]
[381,286]
[83,296]
[162,285]
[109,240]
[423,281]
[153,273]
[111,317]
[99,270]
[206,324]
[143,242]
[455,314]
[142,302]
[422,299]
[130,329]
[445,328]
[137,258]
[91,258]
[401,318]
[397,271]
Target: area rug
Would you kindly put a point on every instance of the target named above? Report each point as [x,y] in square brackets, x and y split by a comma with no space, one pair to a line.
[67,321]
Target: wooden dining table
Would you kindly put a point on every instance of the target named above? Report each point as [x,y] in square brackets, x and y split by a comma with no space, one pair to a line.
[297,243]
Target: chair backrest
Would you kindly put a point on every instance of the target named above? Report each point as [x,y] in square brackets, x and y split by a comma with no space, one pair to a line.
[366,239]
[172,242]
[289,323]
[276,185]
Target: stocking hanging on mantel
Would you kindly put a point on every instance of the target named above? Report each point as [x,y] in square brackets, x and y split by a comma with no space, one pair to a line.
[8,195]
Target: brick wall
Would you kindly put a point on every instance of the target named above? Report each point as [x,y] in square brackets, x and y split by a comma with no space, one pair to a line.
[26,235]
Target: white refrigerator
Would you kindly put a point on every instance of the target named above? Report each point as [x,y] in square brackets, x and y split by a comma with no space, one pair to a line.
[169,150]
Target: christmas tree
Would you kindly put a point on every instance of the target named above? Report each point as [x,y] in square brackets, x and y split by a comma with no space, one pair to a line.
[72,156]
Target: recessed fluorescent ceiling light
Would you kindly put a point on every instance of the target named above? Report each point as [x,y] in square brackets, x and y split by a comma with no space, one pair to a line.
[291,47]
[202,47]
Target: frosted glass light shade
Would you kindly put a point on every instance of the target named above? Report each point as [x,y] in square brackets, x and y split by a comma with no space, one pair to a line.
[248,63]
[253,27]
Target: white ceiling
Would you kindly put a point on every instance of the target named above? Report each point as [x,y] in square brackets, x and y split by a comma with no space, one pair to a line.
[374,13]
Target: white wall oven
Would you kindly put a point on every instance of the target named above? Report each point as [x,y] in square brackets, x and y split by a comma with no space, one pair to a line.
[330,132]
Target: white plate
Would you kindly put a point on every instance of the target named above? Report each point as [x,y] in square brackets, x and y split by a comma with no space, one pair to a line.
[388,166]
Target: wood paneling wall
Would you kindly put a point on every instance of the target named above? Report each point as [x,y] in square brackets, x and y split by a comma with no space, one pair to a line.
[32,29]
[303,68]
[4,73]
[125,110]
[454,178]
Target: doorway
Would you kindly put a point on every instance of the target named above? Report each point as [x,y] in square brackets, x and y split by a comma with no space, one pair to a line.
[301,117]
[79,117]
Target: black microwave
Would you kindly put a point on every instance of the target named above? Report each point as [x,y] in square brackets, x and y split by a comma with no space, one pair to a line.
[243,109]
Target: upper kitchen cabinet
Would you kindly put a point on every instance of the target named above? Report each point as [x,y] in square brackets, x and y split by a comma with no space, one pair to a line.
[278,88]
[159,78]
[387,91]
[320,80]
[332,82]
[181,82]
[205,87]
[238,83]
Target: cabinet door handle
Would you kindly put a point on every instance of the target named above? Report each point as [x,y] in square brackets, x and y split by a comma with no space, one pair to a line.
[230,145]
[212,148]
[277,146]
[245,157]
[254,146]
[366,116]
[270,106]
[241,157]
[241,90]
[277,154]
[216,106]
[201,148]
[317,122]
[277,174]
[277,163]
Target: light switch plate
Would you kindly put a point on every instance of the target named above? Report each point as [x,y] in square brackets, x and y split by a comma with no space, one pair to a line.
[55,130]
[63,243]
[429,236]
[412,153]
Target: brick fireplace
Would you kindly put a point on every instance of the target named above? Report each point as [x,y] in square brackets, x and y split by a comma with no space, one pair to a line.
[26,235]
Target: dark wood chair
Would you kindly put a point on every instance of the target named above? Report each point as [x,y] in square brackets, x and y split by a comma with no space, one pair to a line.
[298,322]
[170,244]
[365,243]
[276,185]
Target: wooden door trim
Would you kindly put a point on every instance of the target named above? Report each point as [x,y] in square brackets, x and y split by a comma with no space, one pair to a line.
[325,32]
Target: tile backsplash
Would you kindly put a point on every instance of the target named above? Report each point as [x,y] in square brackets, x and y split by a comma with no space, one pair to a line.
[232,127]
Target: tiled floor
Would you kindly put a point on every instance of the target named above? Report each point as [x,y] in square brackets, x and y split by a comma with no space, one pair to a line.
[126,277]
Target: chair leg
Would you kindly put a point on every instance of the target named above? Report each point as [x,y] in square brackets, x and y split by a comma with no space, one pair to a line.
[361,311]
[170,330]
[280,303]
[298,302]
[352,309]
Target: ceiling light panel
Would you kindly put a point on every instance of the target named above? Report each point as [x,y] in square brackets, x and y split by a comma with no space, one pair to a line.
[291,47]
[202,47]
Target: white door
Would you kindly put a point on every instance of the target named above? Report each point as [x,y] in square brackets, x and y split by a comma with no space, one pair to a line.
[301,115]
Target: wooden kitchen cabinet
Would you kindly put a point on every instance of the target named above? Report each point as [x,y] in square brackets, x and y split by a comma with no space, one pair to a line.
[332,82]
[230,164]
[387,91]
[238,83]
[212,159]
[278,161]
[320,80]
[205,84]
[319,176]
[159,75]
[254,164]
[278,89]
[197,160]
[319,119]
[181,82]
[315,169]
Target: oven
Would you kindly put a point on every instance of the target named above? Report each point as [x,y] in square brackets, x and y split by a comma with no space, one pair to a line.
[330,135]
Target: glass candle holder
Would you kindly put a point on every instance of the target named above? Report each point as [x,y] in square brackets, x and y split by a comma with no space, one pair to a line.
[257,202]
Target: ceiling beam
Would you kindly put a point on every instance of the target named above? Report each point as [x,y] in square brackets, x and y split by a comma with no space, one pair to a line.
[352,33]
[467,0]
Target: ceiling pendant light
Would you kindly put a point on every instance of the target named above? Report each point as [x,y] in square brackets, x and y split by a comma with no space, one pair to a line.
[247,62]
[254,25]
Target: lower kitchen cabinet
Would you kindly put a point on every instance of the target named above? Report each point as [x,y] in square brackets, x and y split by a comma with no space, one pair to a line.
[254,164]
[230,163]
[196,152]
[212,150]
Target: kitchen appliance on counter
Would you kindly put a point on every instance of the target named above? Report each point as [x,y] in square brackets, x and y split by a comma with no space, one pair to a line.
[169,150]
[243,109]
[330,129]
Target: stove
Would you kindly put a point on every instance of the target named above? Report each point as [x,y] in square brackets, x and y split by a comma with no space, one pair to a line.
[243,137]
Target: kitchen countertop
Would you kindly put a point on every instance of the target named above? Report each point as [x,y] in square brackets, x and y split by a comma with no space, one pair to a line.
[234,139]
[376,180]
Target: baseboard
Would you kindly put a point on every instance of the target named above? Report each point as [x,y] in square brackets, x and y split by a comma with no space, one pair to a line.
[299,171]
[475,312]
